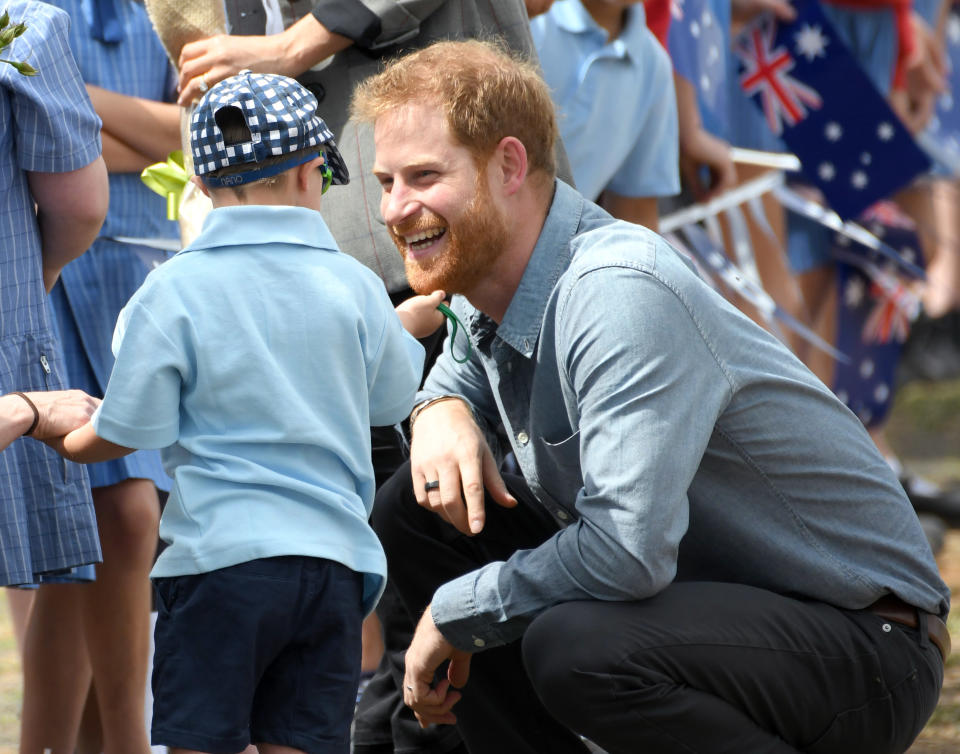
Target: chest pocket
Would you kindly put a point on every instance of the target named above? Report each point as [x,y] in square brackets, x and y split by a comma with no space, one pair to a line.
[558,468]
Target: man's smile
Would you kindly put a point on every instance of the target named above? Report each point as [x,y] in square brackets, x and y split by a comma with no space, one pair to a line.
[421,242]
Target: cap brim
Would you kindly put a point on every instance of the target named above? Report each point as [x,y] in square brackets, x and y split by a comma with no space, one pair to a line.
[341,176]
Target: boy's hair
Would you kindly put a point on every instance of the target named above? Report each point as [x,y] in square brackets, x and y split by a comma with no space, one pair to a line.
[253,127]
[485,92]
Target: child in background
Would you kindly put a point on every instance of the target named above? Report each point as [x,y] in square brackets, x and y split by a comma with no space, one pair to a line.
[612,84]
[258,358]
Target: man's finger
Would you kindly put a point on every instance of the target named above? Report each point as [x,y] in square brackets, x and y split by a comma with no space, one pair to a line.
[494,482]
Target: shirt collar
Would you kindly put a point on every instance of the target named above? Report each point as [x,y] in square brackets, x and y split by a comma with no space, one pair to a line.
[256,224]
[523,319]
[571,16]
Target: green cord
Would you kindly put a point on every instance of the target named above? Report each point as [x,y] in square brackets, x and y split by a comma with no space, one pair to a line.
[447,312]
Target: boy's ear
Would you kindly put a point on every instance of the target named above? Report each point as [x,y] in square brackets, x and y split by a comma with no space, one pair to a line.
[305,172]
[197,181]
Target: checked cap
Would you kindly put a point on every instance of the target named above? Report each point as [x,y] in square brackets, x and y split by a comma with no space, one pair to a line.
[282,118]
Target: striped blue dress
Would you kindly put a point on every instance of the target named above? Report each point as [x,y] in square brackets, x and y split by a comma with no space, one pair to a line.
[47,522]
[94,287]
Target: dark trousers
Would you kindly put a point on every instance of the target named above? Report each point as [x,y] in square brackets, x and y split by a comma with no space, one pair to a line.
[700,667]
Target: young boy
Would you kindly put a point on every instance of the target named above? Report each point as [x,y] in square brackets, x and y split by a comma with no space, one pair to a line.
[258,358]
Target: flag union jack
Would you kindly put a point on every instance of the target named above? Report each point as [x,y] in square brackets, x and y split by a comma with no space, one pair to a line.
[767,71]
[889,318]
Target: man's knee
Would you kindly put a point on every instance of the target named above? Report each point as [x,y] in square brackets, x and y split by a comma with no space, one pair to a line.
[562,661]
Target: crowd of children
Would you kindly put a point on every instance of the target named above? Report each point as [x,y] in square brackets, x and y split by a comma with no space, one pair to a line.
[257,358]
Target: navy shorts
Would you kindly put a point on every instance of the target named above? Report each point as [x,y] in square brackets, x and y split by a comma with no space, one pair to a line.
[266,651]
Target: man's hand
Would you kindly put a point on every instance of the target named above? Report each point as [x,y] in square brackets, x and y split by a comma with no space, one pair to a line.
[448,447]
[427,651]
[207,61]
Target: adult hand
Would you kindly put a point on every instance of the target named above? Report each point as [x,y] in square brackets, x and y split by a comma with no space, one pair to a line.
[428,649]
[60,411]
[702,149]
[448,446]
[205,62]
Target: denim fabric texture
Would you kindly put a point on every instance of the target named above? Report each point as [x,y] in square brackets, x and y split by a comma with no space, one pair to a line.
[671,438]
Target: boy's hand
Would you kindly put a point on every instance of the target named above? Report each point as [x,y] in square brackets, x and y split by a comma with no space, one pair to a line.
[419,315]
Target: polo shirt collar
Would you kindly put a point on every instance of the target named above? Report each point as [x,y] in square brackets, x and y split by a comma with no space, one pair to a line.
[571,16]
[258,224]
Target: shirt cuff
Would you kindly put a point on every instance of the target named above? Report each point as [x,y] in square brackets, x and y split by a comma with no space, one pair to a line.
[466,624]
[349,18]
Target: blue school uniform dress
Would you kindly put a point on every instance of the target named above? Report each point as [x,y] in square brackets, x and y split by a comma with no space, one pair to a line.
[95,287]
[47,522]
[615,101]
[267,355]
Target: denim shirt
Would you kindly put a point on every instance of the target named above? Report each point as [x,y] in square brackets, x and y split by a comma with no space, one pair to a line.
[671,438]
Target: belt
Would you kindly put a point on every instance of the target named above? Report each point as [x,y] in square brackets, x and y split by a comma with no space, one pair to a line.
[894,609]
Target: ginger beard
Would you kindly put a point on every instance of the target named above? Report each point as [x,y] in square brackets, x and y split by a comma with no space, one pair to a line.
[474,241]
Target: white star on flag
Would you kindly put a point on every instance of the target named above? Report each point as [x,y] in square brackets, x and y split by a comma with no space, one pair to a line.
[811,43]
[859,179]
[885,131]
[826,171]
[853,295]
[833,131]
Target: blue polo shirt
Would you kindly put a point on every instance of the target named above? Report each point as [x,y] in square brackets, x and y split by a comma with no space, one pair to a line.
[258,358]
[615,101]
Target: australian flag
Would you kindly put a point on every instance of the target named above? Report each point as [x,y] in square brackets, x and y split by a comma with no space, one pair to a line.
[874,314]
[815,96]
[697,42]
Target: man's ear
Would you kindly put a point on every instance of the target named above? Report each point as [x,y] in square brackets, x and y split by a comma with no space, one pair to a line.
[511,163]
[197,181]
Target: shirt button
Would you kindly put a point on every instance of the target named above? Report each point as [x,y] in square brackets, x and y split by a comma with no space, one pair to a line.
[887,628]
[522,437]
[563,515]
[479,642]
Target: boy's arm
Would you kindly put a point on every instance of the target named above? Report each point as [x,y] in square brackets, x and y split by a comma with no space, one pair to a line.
[83,445]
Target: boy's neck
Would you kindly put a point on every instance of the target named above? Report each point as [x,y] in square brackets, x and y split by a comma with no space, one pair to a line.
[610,16]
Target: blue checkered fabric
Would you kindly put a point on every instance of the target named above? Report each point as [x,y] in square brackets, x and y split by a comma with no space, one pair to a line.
[282,118]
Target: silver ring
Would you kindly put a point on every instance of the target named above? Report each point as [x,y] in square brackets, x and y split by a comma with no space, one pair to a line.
[204,86]
[434,485]
[409,688]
